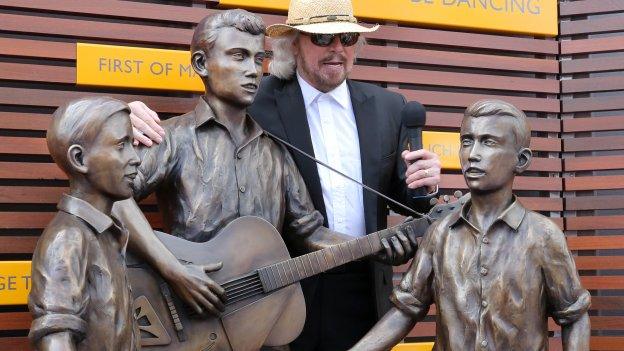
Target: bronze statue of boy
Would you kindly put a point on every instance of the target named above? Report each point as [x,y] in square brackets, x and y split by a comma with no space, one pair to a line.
[495,270]
[80,297]
[216,164]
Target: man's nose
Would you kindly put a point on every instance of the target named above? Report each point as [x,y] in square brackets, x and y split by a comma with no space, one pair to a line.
[336,45]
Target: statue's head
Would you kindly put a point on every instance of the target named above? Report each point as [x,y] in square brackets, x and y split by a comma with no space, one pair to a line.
[495,138]
[90,139]
[227,52]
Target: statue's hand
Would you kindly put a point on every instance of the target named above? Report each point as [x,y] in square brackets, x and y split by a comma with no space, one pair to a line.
[398,248]
[146,127]
[195,288]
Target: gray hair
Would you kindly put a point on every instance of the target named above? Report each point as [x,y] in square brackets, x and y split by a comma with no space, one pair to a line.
[284,64]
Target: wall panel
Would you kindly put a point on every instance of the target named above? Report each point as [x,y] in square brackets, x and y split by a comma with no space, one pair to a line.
[592,92]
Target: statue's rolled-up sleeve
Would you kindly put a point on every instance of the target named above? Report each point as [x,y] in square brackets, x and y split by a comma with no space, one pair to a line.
[414,295]
[58,298]
[567,299]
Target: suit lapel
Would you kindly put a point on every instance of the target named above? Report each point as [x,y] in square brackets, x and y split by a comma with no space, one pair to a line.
[291,108]
[365,119]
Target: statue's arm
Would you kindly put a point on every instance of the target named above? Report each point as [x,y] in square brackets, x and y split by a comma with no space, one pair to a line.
[189,282]
[389,331]
[575,336]
[143,242]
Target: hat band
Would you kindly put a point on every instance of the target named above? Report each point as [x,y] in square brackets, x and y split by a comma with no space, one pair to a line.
[321,19]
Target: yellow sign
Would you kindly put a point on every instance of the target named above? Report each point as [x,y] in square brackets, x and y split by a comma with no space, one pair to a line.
[132,67]
[15,282]
[418,346]
[446,145]
[533,17]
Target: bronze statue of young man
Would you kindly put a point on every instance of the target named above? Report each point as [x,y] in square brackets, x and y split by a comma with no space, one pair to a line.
[80,297]
[216,164]
[495,270]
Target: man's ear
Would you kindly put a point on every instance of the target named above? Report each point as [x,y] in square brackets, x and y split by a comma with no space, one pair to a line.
[75,159]
[198,61]
[524,160]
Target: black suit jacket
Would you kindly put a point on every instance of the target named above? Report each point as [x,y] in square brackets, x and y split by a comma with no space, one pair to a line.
[279,108]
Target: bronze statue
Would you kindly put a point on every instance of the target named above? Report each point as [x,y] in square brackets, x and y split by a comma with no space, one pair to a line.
[215,164]
[80,297]
[495,270]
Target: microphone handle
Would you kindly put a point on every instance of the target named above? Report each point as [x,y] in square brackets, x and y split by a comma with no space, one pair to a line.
[415,143]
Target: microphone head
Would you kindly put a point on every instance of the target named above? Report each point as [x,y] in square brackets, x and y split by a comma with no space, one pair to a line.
[413,115]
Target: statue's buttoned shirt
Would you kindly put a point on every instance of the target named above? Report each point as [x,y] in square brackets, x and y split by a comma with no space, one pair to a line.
[203,180]
[79,280]
[493,290]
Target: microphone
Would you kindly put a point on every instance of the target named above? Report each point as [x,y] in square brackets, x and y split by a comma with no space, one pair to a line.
[413,118]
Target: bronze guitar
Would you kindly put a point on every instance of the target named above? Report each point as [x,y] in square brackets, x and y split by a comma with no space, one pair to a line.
[265,303]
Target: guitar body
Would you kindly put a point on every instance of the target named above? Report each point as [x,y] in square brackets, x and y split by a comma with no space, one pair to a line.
[244,245]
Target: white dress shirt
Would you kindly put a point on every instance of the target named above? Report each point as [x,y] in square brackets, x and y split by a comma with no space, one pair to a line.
[336,142]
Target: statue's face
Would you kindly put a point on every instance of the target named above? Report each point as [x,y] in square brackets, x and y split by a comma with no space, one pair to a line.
[234,66]
[488,154]
[111,160]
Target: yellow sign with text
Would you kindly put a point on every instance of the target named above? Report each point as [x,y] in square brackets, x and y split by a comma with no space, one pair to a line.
[15,282]
[446,145]
[533,17]
[133,67]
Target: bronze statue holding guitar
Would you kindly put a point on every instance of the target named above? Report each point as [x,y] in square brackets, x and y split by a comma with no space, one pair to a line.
[264,304]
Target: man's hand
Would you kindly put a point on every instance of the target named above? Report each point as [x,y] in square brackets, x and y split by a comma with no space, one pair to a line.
[145,124]
[400,247]
[423,169]
[195,288]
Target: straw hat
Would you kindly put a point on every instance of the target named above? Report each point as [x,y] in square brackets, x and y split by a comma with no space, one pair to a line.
[319,17]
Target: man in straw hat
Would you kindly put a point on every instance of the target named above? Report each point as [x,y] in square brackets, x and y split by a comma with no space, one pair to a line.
[354,127]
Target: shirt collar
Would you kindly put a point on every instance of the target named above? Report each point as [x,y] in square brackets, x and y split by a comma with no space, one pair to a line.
[85,211]
[512,215]
[203,114]
[340,94]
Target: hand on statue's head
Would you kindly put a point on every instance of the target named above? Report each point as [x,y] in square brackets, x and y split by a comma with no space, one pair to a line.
[146,127]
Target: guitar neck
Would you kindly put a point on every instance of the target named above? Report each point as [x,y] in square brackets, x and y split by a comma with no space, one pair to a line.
[295,269]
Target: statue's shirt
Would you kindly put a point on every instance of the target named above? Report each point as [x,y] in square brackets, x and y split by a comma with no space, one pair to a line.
[203,180]
[493,290]
[79,280]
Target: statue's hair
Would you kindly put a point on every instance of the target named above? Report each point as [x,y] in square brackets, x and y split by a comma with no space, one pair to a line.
[499,108]
[79,122]
[208,28]
[284,64]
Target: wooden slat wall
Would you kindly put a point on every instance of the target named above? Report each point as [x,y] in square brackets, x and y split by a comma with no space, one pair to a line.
[445,70]
[592,96]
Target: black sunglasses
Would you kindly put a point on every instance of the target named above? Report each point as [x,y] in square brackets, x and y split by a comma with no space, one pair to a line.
[346,39]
